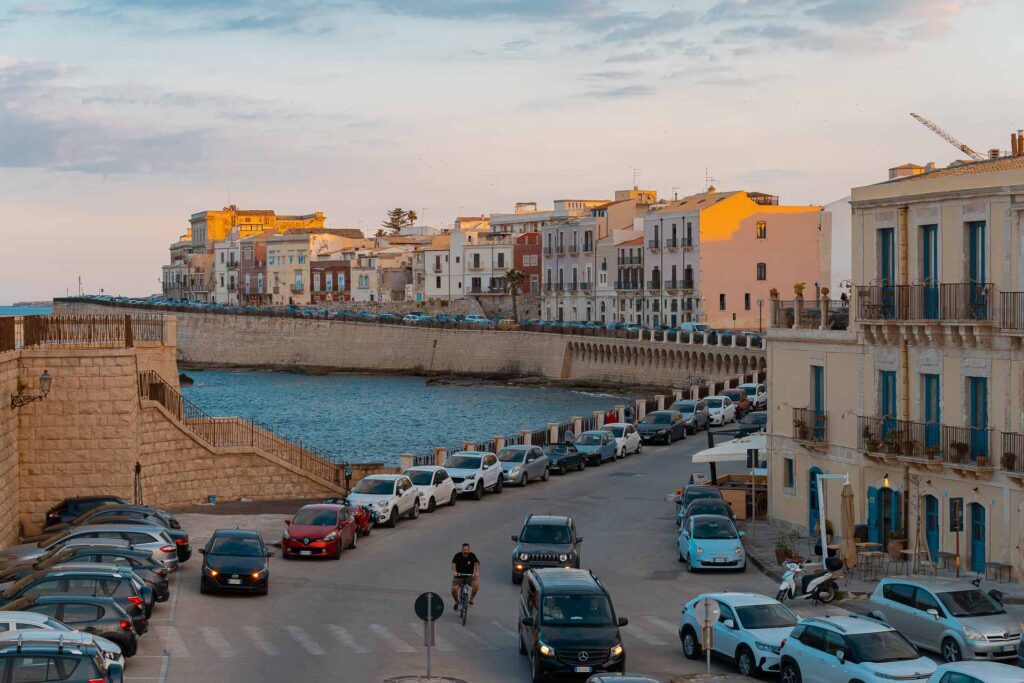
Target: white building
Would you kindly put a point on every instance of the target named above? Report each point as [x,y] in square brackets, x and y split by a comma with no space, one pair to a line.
[527,218]
[671,265]
[487,256]
[839,214]
[226,258]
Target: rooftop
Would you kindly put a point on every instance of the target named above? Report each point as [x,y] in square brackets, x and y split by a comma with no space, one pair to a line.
[965,168]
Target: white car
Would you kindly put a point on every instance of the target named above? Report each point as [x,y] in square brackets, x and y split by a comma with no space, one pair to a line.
[749,631]
[627,439]
[977,672]
[475,472]
[389,495]
[32,621]
[756,394]
[721,410]
[435,485]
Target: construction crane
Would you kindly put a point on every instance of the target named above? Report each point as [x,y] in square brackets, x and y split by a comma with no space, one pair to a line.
[948,138]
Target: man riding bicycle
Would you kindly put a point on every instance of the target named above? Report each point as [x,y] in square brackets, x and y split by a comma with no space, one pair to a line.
[465,571]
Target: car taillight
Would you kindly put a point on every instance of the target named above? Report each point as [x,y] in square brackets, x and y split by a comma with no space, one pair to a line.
[181,541]
[135,600]
[126,625]
[782,644]
[168,549]
[160,571]
[97,680]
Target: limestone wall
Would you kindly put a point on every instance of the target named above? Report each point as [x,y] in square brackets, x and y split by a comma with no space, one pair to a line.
[8,450]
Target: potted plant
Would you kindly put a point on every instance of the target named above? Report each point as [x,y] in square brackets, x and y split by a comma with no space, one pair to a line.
[785,548]
[982,460]
[908,447]
[773,293]
[798,289]
[932,452]
[1010,462]
[960,448]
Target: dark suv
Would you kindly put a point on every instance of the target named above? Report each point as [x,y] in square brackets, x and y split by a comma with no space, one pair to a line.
[567,625]
[99,616]
[70,508]
[111,584]
[141,563]
[55,656]
[545,541]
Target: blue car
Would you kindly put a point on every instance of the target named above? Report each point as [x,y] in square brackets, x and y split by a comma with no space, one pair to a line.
[597,446]
[711,542]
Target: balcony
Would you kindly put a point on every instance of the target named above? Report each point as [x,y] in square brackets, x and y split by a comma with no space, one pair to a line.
[437,268]
[560,250]
[572,286]
[653,244]
[935,444]
[588,248]
[297,289]
[810,426]
[1012,318]
[475,266]
[548,252]
[630,261]
[960,310]
[676,285]
[574,250]
[809,314]
[628,285]
[654,285]
[584,286]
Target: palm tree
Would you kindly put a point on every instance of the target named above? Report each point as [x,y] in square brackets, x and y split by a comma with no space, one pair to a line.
[515,279]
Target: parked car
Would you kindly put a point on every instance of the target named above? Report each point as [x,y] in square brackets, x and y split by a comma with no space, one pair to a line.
[597,446]
[850,648]
[390,495]
[752,423]
[70,508]
[563,457]
[706,506]
[740,400]
[434,484]
[691,493]
[662,425]
[695,414]
[136,514]
[956,621]
[480,320]
[319,530]
[621,678]
[415,318]
[722,410]
[141,562]
[545,541]
[690,328]
[567,624]
[140,536]
[523,464]
[474,472]
[757,394]
[235,560]
[113,634]
[56,655]
[977,672]
[627,439]
[750,630]
[83,582]
[363,516]
[711,542]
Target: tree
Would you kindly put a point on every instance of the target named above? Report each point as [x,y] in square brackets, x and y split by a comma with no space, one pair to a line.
[396,220]
[515,279]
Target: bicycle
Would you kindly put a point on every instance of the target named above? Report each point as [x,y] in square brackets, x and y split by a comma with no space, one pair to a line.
[464,594]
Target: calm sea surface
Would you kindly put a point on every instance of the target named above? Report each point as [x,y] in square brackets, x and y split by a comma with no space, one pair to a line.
[24,310]
[368,418]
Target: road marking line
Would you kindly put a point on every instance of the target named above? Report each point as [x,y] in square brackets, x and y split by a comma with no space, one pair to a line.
[256,635]
[643,635]
[480,643]
[498,624]
[440,643]
[173,644]
[217,641]
[345,638]
[661,623]
[391,638]
[303,638]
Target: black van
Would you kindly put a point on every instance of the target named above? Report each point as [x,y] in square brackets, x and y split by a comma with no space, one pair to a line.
[567,625]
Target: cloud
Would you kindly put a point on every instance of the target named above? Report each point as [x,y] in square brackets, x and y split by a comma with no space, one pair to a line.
[874,11]
[609,75]
[517,45]
[639,27]
[622,92]
[761,37]
[633,57]
[491,9]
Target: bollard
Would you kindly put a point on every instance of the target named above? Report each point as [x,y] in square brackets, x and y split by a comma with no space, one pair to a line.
[577,425]
[552,432]
[678,394]
[527,435]
[598,419]
[695,393]
[640,408]
[440,455]
[407,460]
[620,413]
[659,400]
[469,445]
[499,443]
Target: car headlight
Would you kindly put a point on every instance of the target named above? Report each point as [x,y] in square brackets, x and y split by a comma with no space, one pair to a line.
[331,536]
[661,432]
[563,558]
[524,556]
[767,647]
[514,471]
[471,476]
[738,551]
[545,649]
[383,504]
[700,551]
[287,536]
[258,574]
[617,650]
[211,572]
[973,633]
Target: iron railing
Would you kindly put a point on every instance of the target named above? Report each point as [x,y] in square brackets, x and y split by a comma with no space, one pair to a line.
[90,331]
[810,425]
[932,441]
[1012,317]
[974,301]
[1011,457]
[7,334]
[967,446]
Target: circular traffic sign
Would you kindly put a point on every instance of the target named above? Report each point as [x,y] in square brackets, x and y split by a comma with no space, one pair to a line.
[707,611]
[429,606]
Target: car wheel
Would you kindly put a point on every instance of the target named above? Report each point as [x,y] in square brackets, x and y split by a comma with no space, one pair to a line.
[547,473]
[790,673]
[691,647]
[393,518]
[523,479]
[478,492]
[582,465]
[681,558]
[745,662]
[203,589]
[336,555]
[500,484]
[266,588]
[454,499]
[414,513]
[431,505]
[563,470]
[537,675]
[522,648]
[352,546]
[639,447]
[951,650]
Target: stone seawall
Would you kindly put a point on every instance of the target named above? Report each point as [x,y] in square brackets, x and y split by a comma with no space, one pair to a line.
[209,339]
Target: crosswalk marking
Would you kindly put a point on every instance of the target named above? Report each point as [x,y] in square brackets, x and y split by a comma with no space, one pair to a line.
[391,638]
[439,642]
[646,636]
[217,641]
[259,639]
[303,638]
[498,624]
[346,639]
[480,642]
[661,623]
[174,644]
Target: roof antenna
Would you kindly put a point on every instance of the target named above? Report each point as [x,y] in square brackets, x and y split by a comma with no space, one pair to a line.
[636,174]
[708,180]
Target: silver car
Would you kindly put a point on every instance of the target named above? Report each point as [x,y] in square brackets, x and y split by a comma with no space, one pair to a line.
[141,537]
[952,618]
[523,464]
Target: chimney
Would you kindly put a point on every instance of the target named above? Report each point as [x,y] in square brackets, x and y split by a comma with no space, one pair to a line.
[1013,144]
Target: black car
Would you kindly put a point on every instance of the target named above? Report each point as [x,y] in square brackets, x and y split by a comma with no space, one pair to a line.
[563,457]
[692,493]
[706,506]
[94,582]
[662,425]
[141,562]
[752,423]
[236,560]
[99,616]
[55,656]
[70,508]
[567,625]
[545,541]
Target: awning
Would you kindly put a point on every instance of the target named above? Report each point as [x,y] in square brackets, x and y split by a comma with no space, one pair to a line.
[734,450]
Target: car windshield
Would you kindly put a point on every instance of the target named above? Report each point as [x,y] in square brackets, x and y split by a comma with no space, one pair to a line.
[53,540]
[559,449]
[734,395]
[236,546]
[464,462]
[577,610]
[713,528]
[511,455]
[545,533]
[881,646]
[617,432]
[375,487]
[970,603]
[686,408]
[588,440]
[695,494]
[658,419]
[310,517]
[755,419]
[420,477]
[765,616]
[749,391]
[707,506]
[714,402]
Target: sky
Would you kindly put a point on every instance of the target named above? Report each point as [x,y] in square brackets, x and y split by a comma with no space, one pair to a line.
[120,118]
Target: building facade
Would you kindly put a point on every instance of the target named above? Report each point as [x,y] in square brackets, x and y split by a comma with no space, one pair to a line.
[526,258]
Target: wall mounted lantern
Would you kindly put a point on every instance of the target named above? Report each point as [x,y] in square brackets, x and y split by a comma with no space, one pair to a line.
[45,381]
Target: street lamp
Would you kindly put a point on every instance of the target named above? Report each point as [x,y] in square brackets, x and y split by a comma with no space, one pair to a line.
[45,381]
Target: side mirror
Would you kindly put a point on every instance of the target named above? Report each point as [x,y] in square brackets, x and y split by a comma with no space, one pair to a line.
[623,621]
[515,538]
[934,612]
[202,551]
[579,539]
[287,522]
[742,534]
[270,553]
[841,656]
[526,621]
[728,623]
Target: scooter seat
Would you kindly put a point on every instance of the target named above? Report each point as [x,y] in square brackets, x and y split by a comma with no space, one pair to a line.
[807,579]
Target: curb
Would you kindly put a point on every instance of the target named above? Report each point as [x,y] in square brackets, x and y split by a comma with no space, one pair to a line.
[771,573]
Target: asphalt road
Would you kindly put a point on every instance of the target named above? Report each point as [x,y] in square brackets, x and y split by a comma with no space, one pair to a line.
[353,621]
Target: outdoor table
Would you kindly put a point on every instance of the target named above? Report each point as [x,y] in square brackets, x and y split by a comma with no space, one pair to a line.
[872,564]
[945,557]
[997,569]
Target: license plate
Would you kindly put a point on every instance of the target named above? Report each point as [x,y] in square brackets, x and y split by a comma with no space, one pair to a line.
[583,669]
[234,582]
[1009,648]
[305,552]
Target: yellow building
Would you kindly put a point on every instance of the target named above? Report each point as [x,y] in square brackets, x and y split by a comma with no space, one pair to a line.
[213,226]
[919,401]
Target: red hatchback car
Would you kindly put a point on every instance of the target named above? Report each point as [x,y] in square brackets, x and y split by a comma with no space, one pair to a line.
[319,530]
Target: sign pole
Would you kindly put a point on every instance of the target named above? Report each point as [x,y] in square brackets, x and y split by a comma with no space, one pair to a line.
[428,633]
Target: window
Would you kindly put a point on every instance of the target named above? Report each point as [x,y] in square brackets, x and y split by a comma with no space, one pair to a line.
[746,301]
[526,260]
[721,302]
[316,282]
[789,478]
[762,230]
[899,592]
[329,281]
[437,282]
[302,257]
[80,613]
[501,259]
[762,271]
[924,601]
[270,259]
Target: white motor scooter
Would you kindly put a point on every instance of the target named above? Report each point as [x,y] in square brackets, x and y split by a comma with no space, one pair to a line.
[819,586]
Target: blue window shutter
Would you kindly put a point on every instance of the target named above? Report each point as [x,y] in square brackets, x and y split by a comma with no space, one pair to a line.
[873,515]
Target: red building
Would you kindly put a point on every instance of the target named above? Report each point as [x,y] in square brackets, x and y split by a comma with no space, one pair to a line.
[526,258]
[252,272]
[331,280]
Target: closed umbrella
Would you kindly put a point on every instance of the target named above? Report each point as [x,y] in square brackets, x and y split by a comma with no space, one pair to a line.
[849,542]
